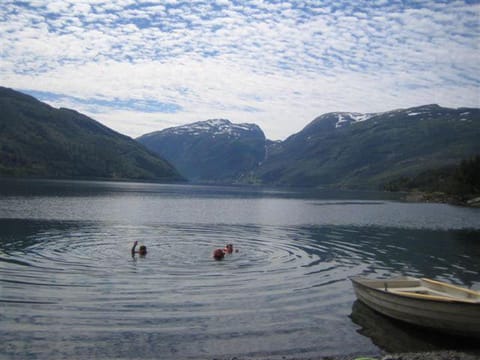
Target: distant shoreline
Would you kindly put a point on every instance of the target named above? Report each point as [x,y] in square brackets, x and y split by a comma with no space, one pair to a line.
[440,197]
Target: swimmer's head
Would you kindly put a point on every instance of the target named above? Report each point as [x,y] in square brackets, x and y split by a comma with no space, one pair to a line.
[142,250]
[218,254]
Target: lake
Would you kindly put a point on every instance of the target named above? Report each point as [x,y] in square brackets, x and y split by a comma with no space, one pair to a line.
[69,287]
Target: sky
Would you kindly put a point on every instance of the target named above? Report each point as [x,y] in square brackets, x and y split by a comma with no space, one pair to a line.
[140,66]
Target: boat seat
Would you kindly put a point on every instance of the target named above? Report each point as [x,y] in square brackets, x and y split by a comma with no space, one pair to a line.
[419,290]
[409,289]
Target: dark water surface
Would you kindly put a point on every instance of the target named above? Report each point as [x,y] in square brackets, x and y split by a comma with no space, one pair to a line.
[69,287]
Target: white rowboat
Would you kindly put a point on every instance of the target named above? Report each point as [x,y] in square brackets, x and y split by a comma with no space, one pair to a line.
[424,302]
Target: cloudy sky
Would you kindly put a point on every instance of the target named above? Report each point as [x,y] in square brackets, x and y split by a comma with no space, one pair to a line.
[139,66]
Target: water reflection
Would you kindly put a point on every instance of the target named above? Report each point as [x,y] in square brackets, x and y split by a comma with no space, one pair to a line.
[18,235]
[65,249]
[68,188]
[395,336]
[451,256]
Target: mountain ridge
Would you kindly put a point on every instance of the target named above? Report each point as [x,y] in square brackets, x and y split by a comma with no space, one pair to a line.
[344,118]
[212,126]
[334,148]
[339,149]
[41,141]
[214,150]
[366,153]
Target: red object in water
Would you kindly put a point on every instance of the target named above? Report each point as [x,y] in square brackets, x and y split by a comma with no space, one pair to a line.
[218,254]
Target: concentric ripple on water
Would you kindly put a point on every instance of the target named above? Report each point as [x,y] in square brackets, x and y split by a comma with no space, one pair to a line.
[69,287]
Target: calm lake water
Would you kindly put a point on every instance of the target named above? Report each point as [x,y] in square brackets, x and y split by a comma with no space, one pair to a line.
[69,287]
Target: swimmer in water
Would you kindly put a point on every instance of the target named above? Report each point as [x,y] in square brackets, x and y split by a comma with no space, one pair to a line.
[218,254]
[142,250]
[229,249]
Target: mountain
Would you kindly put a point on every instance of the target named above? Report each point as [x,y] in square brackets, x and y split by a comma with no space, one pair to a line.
[213,150]
[39,140]
[368,150]
[340,149]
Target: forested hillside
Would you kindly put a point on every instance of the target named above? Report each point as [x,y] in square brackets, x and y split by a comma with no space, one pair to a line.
[370,150]
[458,183]
[39,140]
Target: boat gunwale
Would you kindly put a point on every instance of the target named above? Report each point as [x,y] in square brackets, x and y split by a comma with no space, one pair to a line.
[413,296]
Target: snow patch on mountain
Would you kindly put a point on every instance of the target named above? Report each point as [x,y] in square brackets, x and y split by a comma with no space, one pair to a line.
[349,118]
[213,127]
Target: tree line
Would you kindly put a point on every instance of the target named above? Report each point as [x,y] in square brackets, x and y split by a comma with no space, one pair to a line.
[461,181]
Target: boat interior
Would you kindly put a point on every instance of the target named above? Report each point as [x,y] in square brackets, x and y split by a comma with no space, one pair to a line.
[426,288]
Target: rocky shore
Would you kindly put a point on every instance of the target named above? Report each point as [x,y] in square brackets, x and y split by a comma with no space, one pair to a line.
[435,355]
[431,355]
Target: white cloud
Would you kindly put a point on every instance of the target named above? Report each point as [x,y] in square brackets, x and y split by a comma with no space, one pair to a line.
[276,64]
[58,6]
